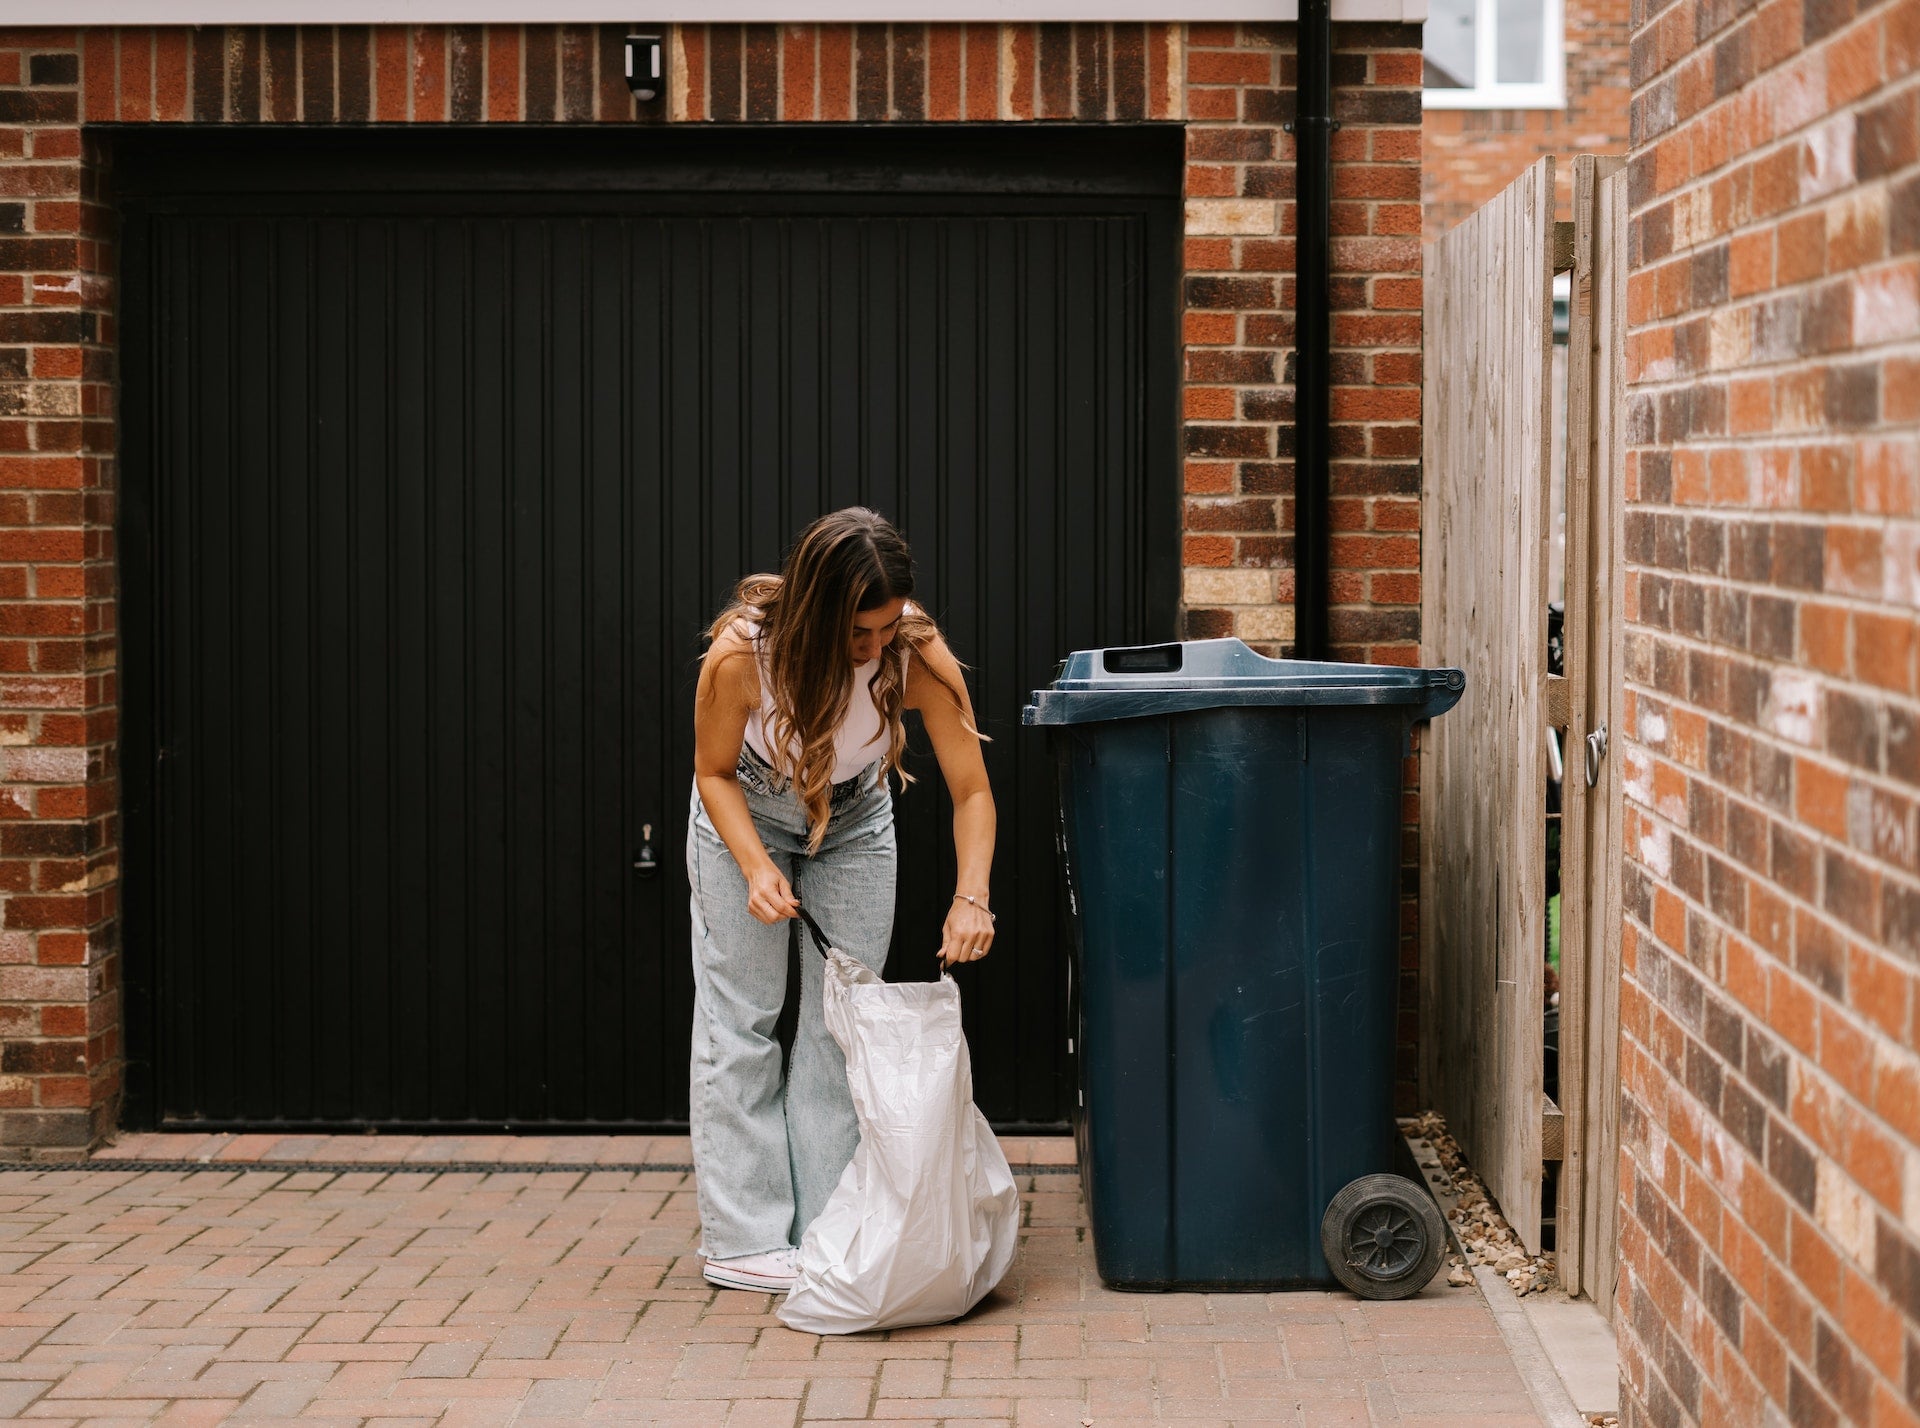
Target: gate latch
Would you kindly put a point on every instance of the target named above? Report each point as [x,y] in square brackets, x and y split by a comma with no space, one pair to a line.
[1596,751]
[645,863]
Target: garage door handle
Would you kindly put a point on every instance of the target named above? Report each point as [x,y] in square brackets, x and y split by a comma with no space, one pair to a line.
[644,862]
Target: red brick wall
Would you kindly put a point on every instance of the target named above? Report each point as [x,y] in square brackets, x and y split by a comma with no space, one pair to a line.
[59,1004]
[1770,1180]
[869,73]
[1471,154]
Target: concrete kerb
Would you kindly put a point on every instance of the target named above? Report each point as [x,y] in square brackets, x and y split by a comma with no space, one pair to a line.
[1545,1384]
[1426,1167]
[1581,1344]
[1542,1379]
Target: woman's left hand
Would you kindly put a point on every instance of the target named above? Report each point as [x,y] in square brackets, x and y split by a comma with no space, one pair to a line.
[967,935]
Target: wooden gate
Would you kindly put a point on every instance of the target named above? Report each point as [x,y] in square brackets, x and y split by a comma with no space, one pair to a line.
[1486,536]
[1586,1242]
[1489,350]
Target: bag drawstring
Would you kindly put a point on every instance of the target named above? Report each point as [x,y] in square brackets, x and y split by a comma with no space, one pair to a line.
[818,936]
[825,946]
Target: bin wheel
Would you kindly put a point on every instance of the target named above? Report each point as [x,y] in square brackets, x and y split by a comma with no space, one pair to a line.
[1383,1237]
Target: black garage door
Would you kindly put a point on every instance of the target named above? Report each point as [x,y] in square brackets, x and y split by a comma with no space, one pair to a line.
[439,454]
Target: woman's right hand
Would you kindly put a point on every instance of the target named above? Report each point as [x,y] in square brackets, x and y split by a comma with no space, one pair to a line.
[770,897]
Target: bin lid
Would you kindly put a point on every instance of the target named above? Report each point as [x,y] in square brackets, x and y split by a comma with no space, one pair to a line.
[1138,681]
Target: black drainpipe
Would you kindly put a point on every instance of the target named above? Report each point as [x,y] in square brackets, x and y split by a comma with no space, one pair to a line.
[1313,339]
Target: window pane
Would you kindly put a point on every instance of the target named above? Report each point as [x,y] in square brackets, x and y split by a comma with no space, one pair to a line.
[1517,35]
[1449,44]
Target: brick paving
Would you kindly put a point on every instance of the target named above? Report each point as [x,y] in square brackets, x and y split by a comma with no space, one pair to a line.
[266,1289]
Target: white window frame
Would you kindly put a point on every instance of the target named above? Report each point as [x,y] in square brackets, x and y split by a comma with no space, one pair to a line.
[1488,94]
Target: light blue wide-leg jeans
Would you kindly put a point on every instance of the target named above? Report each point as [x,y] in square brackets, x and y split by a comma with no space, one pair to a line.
[766,1155]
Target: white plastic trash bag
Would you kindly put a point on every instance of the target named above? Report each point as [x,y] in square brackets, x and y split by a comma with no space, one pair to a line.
[925,1218]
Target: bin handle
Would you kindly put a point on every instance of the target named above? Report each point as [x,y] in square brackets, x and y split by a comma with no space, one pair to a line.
[1444,690]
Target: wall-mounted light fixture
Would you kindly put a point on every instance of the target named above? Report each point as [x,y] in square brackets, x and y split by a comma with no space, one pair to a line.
[644,76]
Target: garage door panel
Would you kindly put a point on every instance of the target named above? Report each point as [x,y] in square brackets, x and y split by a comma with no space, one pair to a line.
[439,496]
[412,512]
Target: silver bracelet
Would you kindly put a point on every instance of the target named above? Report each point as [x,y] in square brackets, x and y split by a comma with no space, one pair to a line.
[964,897]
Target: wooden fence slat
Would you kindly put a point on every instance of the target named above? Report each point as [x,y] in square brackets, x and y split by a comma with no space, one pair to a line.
[1574,848]
[1600,1233]
[1587,914]
[1487,428]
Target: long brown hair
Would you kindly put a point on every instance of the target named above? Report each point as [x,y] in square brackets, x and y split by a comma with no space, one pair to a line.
[843,563]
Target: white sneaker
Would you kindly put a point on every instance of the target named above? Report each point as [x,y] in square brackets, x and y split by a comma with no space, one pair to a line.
[770,1273]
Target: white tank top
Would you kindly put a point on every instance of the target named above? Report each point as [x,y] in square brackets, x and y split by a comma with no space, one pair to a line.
[862,737]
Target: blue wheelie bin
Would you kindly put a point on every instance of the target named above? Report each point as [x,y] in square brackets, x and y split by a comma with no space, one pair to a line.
[1230,830]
